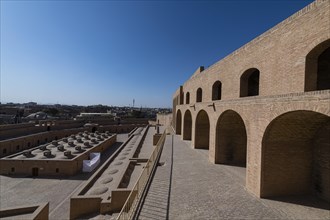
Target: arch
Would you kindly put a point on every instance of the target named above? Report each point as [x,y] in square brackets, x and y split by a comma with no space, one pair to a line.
[199,95]
[202,130]
[231,139]
[317,69]
[93,129]
[187,125]
[296,155]
[187,98]
[178,122]
[216,90]
[250,83]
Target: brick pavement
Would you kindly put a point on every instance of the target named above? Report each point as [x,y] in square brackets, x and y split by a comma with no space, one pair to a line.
[199,189]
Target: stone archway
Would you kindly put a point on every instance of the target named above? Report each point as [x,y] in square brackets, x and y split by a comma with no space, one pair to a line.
[202,130]
[296,155]
[178,122]
[187,125]
[231,139]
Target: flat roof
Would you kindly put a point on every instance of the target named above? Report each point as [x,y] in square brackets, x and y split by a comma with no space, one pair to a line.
[65,148]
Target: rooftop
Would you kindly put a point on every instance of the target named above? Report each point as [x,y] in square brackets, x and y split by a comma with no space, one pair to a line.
[65,148]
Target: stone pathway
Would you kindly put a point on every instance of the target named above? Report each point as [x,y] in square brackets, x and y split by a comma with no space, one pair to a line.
[156,203]
[193,188]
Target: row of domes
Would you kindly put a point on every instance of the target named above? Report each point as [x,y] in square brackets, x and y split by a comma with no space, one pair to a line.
[66,147]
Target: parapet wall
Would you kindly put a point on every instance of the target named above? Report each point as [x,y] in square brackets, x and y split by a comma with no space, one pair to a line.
[164,119]
[36,212]
[16,130]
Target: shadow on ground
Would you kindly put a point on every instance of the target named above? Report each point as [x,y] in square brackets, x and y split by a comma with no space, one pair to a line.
[304,200]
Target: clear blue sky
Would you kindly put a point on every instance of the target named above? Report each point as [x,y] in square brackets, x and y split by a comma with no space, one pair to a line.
[111,52]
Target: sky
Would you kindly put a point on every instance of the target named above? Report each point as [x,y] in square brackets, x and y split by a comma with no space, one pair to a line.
[111,52]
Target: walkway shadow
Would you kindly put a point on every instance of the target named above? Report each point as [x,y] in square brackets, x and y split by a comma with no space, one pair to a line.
[304,200]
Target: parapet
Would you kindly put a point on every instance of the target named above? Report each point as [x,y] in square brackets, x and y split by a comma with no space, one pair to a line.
[35,212]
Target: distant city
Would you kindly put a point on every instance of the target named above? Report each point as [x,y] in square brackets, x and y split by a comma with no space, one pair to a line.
[14,113]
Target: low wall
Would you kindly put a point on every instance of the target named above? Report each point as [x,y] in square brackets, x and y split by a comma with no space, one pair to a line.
[164,119]
[113,199]
[37,212]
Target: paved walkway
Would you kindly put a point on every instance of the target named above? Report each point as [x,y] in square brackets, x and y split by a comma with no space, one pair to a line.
[193,188]
[157,200]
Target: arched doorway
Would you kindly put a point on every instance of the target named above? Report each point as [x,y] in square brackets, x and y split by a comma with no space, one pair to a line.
[187,125]
[202,130]
[178,122]
[250,83]
[231,139]
[317,72]
[296,155]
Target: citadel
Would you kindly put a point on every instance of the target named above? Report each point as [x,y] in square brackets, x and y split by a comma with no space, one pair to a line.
[248,138]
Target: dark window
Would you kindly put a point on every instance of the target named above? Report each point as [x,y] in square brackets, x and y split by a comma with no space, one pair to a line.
[317,72]
[250,83]
[13,169]
[199,95]
[187,98]
[323,70]
[4,151]
[57,170]
[17,147]
[216,90]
